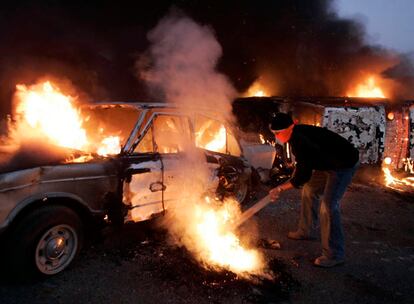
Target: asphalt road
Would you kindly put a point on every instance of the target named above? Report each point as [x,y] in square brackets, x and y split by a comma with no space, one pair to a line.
[137,265]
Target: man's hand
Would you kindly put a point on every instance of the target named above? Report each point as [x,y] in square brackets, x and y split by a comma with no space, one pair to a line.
[274,193]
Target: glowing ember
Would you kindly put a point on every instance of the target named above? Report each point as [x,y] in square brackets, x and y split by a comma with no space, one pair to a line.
[46,111]
[266,141]
[367,89]
[390,116]
[262,139]
[217,245]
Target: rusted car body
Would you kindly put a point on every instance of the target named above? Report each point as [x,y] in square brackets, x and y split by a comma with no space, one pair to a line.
[44,209]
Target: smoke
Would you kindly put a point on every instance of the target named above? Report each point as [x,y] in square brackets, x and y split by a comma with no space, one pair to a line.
[295,47]
[29,154]
[183,57]
[180,67]
[403,75]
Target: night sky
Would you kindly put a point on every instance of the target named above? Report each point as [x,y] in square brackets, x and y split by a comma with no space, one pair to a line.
[302,45]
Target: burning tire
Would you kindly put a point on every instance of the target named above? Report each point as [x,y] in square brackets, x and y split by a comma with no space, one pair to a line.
[45,242]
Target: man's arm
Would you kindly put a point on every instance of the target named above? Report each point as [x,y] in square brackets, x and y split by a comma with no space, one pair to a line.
[275,192]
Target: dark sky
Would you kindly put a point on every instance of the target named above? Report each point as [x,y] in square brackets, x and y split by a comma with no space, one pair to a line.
[95,44]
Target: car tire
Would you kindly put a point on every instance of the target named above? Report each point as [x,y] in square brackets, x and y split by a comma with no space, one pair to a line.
[242,191]
[44,242]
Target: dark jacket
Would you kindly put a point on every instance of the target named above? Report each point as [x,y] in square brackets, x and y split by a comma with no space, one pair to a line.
[317,148]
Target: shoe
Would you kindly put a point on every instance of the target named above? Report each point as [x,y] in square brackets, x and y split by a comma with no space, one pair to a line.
[269,244]
[325,262]
[298,235]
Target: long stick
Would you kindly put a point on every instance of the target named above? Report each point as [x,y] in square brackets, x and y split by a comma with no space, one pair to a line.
[252,211]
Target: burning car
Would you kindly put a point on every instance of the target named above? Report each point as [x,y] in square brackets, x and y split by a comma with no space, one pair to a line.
[134,175]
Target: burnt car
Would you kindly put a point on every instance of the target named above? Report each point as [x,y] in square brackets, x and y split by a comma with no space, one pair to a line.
[47,209]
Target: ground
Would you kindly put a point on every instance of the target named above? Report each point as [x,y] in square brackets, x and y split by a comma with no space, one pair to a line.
[136,265]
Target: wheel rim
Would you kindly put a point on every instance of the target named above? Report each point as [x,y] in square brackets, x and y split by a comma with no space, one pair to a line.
[241,192]
[56,249]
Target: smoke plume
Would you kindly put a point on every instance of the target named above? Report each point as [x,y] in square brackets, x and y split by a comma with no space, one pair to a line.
[295,47]
[183,57]
[180,66]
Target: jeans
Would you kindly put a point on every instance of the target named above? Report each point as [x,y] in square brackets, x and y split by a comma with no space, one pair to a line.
[331,186]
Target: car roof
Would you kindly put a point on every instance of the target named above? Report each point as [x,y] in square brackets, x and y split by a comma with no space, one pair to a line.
[155,105]
[138,105]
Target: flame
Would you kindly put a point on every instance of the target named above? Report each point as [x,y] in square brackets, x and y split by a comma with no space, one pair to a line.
[219,141]
[399,184]
[217,245]
[395,183]
[369,88]
[44,112]
[211,138]
[257,90]
[110,146]
[49,112]
[262,139]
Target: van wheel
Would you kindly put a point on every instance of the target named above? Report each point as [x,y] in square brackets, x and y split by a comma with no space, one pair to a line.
[46,241]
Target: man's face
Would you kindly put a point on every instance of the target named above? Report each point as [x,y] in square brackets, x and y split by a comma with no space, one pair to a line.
[284,135]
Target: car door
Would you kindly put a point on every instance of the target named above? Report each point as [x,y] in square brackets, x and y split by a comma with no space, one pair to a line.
[143,183]
[155,173]
[173,142]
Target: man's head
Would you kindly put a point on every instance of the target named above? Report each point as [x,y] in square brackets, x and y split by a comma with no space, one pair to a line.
[281,126]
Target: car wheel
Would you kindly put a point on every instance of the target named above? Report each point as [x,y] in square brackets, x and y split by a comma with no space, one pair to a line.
[46,241]
[241,191]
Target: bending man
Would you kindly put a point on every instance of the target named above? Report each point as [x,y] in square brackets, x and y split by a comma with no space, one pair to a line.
[325,164]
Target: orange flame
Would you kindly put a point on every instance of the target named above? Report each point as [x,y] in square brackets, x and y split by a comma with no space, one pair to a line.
[399,184]
[217,245]
[44,112]
[211,138]
[219,141]
[368,89]
[257,90]
[109,146]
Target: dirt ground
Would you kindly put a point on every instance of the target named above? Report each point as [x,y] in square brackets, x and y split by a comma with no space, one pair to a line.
[136,265]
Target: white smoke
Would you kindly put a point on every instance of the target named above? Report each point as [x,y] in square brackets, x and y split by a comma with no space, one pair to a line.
[183,57]
[181,64]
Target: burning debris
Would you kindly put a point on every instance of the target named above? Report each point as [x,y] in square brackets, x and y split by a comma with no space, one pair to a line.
[399,181]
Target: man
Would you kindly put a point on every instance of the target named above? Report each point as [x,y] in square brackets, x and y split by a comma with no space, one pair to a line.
[325,164]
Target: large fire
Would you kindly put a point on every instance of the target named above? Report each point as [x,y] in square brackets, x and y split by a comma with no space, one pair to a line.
[368,88]
[43,111]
